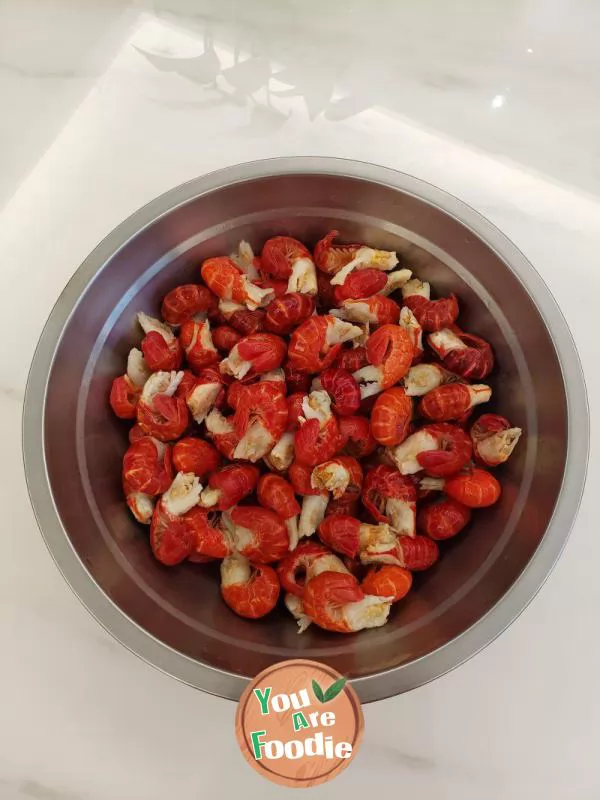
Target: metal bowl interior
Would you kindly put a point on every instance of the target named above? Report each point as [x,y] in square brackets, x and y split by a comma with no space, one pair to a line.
[174,617]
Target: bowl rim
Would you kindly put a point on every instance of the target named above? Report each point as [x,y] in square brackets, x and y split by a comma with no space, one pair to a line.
[398,679]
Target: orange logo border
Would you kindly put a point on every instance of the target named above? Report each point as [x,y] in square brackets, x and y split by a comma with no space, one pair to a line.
[267,768]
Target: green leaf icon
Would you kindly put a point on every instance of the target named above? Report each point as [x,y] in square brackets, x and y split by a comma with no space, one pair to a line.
[318,692]
[334,690]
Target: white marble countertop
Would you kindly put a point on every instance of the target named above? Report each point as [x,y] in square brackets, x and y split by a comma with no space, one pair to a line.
[105,104]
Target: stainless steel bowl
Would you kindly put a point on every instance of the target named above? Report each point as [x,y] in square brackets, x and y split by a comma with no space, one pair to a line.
[174,618]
